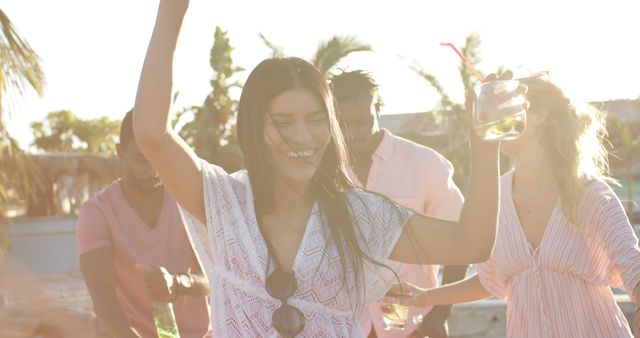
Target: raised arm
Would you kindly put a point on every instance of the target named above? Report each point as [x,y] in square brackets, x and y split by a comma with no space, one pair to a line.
[427,240]
[176,163]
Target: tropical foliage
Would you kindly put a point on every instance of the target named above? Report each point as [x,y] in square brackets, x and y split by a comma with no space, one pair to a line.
[20,73]
[210,132]
[62,131]
[328,53]
[451,114]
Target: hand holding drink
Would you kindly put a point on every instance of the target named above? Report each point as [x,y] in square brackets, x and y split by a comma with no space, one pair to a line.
[498,105]
[395,306]
[499,112]
[394,313]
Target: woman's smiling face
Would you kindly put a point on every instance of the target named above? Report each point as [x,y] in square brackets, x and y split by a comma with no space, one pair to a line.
[296,133]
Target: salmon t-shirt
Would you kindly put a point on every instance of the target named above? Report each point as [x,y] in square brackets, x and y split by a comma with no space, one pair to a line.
[107,220]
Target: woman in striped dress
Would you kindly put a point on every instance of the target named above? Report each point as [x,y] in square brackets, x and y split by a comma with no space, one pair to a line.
[563,239]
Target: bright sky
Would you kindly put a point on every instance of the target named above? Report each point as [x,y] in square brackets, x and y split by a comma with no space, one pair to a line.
[93,51]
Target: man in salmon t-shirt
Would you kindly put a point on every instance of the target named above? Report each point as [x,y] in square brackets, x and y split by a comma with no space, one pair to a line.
[133,249]
[409,174]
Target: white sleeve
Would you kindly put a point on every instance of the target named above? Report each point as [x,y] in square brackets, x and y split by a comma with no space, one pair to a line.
[380,223]
[202,238]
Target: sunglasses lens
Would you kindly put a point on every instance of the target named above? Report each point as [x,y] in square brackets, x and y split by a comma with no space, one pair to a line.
[288,320]
[281,285]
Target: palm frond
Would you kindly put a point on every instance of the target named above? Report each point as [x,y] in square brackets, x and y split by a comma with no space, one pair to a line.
[20,177]
[276,51]
[431,79]
[20,64]
[331,51]
[20,71]
[471,50]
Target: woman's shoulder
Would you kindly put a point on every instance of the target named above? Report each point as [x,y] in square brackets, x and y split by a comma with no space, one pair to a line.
[598,190]
[213,171]
[598,187]
[217,179]
[241,176]
[598,196]
[361,197]
[372,205]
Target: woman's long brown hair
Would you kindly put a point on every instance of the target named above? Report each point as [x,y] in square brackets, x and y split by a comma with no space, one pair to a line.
[330,183]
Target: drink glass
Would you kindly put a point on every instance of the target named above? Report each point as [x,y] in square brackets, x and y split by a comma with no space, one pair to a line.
[394,312]
[499,111]
[165,320]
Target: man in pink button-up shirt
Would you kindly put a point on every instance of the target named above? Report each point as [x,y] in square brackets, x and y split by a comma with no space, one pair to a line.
[410,174]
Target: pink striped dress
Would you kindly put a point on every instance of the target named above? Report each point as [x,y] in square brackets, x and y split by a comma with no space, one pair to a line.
[563,288]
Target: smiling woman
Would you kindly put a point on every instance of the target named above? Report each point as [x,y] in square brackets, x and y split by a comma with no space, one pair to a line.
[297,135]
[289,245]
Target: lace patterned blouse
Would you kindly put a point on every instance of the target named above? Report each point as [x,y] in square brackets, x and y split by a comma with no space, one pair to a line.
[234,257]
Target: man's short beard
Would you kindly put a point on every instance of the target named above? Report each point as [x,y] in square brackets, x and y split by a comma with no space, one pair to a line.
[142,187]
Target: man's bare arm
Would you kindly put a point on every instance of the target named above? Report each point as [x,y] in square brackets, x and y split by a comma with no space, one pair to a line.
[97,269]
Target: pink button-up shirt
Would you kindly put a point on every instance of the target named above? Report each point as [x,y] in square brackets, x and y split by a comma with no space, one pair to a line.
[418,178]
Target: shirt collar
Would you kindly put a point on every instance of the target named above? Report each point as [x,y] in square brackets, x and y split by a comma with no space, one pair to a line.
[385,147]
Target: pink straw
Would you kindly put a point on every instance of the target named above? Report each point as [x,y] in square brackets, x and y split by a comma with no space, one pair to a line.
[464,59]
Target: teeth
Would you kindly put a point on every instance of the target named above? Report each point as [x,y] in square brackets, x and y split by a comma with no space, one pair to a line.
[301,153]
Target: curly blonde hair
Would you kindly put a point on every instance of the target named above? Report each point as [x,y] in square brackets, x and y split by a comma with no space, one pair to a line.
[574,140]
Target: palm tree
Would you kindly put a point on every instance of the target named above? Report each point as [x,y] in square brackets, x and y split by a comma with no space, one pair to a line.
[452,114]
[276,51]
[328,53]
[211,133]
[20,72]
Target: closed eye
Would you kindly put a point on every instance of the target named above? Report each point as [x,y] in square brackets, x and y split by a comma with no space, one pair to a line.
[282,123]
[321,120]
[317,118]
[281,120]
